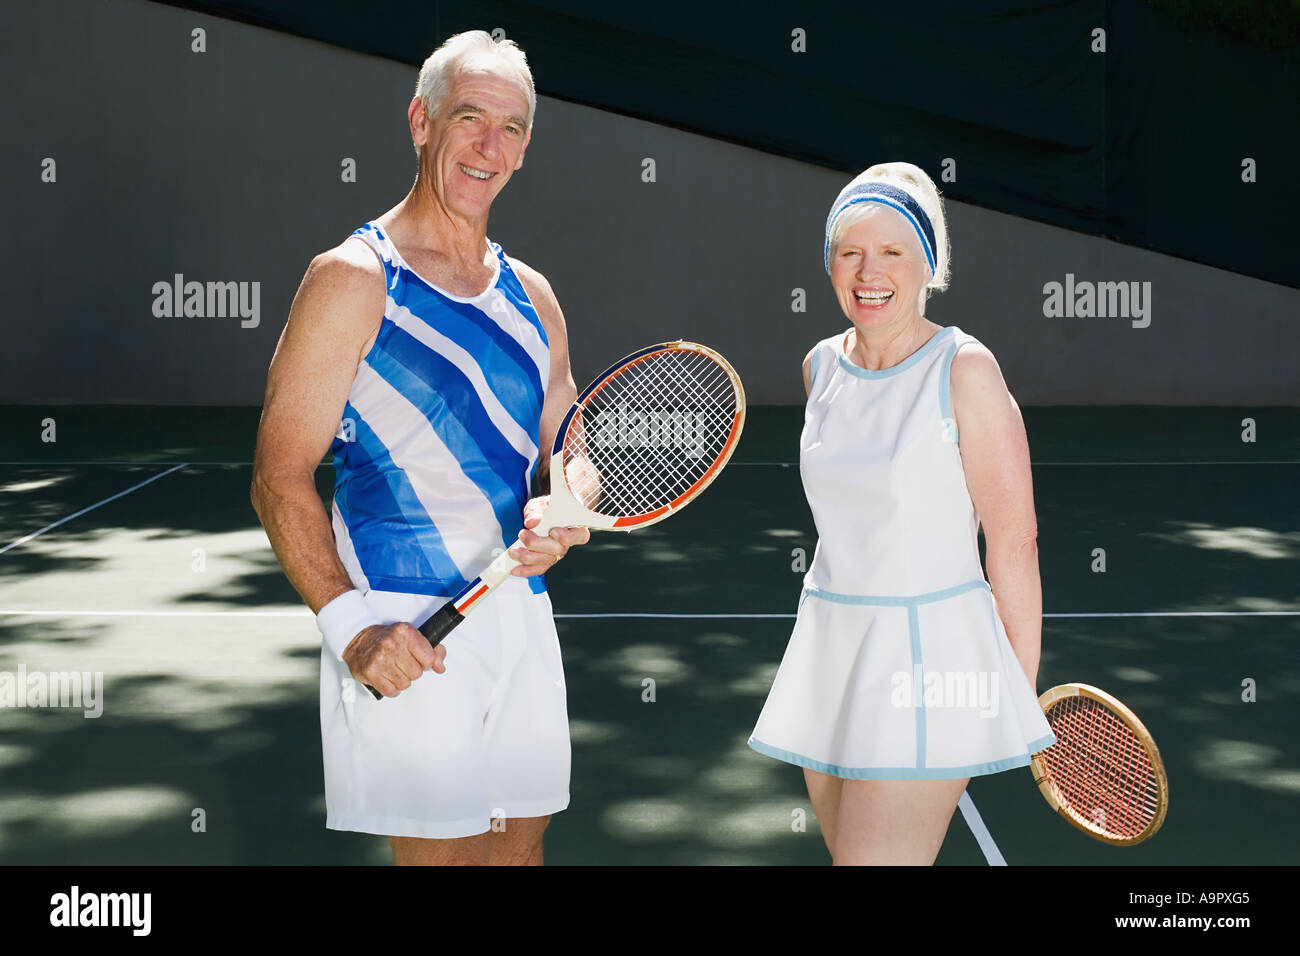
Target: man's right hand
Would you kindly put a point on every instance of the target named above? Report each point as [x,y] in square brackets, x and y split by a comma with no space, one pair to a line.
[389,657]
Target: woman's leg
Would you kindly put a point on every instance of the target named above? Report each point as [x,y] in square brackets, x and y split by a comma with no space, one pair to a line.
[824,792]
[893,822]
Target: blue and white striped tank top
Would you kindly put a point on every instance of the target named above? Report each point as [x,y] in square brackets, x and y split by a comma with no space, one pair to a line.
[438,444]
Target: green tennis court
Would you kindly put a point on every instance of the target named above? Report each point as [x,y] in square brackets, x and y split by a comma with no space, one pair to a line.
[129,549]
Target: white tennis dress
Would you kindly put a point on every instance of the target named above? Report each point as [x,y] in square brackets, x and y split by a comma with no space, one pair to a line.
[898,666]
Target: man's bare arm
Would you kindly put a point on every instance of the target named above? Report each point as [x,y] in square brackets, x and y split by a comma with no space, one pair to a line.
[538,553]
[307,388]
[332,321]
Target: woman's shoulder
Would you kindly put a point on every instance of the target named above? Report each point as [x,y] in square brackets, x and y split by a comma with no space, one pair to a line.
[820,349]
[831,341]
[819,356]
[973,365]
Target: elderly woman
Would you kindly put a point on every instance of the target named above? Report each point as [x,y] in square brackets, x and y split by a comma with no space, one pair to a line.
[906,673]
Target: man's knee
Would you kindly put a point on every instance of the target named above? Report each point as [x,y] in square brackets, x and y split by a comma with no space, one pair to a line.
[463,851]
[519,840]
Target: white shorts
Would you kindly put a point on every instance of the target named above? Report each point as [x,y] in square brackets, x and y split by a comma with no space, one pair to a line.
[489,738]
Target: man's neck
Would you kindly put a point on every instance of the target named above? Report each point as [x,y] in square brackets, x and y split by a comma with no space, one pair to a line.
[425,223]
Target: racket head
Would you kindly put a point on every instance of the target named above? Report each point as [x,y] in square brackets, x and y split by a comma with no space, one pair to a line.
[648,436]
[1104,774]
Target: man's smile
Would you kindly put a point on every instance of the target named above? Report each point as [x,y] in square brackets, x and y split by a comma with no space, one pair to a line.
[476,173]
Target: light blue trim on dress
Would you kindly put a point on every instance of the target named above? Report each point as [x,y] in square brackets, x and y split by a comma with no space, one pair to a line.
[918,682]
[813,362]
[1041,743]
[920,771]
[905,773]
[902,366]
[945,391]
[879,600]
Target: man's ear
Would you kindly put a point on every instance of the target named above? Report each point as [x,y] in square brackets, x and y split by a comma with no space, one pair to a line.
[418,119]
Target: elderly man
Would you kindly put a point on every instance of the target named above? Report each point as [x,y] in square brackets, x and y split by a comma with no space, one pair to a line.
[436,370]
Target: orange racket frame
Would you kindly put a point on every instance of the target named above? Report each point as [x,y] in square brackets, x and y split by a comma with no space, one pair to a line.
[1040,766]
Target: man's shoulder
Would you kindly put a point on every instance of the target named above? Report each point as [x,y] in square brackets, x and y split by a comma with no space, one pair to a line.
[530,277]
[539,291]
[350,265]
[342,295]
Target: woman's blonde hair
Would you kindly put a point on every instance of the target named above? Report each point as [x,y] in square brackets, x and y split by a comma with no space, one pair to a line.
[913,181]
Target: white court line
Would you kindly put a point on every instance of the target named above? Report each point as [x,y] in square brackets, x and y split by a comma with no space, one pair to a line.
[1083,614]
[655,614]
[133,464]
[1037,464]
[19,612]
[734,464]
[77,514]
[980,831]
[304,612]
[1283,461]
[1181,614]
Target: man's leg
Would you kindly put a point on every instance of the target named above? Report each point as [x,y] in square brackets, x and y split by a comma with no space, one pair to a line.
[518,843]
[465,851]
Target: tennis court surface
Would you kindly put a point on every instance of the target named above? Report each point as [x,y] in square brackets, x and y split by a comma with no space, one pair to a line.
[129,549]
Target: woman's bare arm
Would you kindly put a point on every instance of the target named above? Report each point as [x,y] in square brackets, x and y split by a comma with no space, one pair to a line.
[995,456]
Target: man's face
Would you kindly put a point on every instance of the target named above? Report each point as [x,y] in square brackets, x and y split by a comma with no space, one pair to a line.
[477,140]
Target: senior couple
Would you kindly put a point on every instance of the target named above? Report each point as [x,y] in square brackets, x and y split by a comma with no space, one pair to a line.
[435,369]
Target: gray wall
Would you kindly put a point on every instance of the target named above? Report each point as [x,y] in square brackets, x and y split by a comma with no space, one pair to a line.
[225,165]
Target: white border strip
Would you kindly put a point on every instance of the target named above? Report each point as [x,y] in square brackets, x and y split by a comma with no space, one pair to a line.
[734,464]
[77,514]
[980,831]
[33,612]
[1038,464]
[12,612]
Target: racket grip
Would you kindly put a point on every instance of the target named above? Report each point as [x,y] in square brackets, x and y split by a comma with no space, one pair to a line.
[442,623]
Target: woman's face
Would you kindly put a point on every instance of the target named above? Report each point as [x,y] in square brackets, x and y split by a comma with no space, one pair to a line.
[878,269]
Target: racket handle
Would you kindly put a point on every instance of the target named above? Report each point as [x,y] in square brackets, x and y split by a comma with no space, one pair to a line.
[442,623]
[447,617]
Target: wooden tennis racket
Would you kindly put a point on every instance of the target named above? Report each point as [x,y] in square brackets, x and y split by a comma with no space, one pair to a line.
[1104,774]
[639,444]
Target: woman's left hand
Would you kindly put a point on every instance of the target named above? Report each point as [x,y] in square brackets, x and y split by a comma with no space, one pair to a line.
[537,554]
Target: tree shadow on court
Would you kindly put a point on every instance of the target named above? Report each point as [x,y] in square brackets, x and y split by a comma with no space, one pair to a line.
[668,780]
[238,782]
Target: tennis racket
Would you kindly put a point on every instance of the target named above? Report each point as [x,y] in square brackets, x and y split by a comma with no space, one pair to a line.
[1104,773]
[639,444]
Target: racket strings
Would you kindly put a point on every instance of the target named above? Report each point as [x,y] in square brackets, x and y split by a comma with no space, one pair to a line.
[1100,768]
[657,484]
[650,432]
[650,467]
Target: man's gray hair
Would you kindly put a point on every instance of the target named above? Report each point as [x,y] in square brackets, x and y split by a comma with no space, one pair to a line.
[439,70]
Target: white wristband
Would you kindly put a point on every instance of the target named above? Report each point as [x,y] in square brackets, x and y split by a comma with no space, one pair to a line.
[343,619]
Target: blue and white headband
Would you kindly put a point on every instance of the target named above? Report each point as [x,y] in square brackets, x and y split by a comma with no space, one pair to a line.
[896,199]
